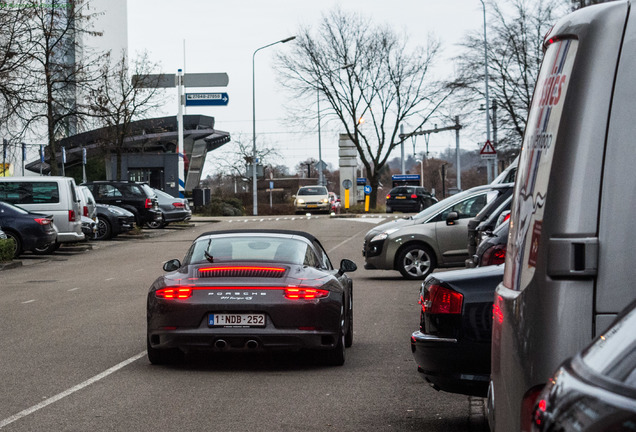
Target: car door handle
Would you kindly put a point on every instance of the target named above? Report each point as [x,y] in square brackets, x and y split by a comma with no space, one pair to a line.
[573,257]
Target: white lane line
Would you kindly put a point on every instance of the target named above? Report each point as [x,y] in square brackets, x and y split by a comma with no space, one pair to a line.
[73,289]
[345,241]
[70,391]
[109,279]
[28,301]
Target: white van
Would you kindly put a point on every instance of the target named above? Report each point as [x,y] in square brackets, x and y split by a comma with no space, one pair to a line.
[50,195]
[569,268]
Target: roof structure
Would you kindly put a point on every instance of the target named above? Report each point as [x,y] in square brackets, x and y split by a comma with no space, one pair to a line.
[150,135]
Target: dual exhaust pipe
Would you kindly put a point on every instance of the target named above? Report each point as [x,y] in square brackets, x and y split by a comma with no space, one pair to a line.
[221,344]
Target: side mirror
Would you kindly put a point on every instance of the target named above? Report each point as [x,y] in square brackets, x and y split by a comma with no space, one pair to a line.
[451,218]
[172,265]
[346,266]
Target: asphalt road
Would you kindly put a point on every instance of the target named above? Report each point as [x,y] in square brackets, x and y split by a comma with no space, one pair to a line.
[72,332]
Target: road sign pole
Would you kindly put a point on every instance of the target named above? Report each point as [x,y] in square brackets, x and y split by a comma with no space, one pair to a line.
[180,149]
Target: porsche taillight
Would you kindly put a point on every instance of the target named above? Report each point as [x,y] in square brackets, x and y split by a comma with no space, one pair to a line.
[305,293]
[176,293]
[441,300]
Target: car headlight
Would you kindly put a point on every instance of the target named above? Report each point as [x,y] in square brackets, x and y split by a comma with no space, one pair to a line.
[115,211]
[325,200]
[300,201]
[384,235]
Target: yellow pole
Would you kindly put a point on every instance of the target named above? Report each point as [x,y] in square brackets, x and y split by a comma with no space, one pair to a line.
[346,199]
[366,203]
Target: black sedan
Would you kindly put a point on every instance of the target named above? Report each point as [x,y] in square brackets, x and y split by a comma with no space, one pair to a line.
[596,389]
[408,199]
[244,290]
[27,230]
[112,221]
[452,346]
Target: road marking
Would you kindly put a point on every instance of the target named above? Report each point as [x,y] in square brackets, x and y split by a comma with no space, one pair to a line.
[28,301]
[73,289]
[70,391]
[109,279]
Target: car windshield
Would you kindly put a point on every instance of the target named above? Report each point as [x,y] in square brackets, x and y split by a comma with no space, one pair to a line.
[249,248]
[314,190]
[441,205]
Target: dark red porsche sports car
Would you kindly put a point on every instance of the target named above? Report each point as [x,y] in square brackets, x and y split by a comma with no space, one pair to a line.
[251,290]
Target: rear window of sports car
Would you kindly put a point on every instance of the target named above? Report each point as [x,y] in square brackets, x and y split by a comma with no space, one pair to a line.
[286,250]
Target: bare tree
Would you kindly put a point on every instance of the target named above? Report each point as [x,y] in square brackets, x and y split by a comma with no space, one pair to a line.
[516,29]
[237,162]
[364,71]
[59,70]
[14,53]
[118,100]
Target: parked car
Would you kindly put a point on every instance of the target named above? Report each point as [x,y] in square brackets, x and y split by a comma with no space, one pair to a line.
[435,237]
[312,199]
[492,248]
[172,209]
[3,236]
[408,199]
[487,217]
[89,211]
[596,389]
[51,195]
[452,346]
[137,198]
[568,270]
[290,297]
[112,221]
[29,231]
[508,175]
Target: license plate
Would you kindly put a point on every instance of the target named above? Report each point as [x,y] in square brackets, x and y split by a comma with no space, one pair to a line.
[237,320]
[312,205]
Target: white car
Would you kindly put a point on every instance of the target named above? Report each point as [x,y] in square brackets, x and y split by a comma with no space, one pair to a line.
[312,199]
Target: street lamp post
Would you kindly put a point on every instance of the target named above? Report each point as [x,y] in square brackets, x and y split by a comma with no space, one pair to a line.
[321,178]
[486,89]
[254,189]
[421,171]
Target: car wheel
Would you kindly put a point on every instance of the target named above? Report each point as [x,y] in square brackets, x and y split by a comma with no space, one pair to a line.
[421,207]
[47,250]
[389,209]
[163,356]
[104,230]
[17,243]
[416,261]
[156,224]
[336,356]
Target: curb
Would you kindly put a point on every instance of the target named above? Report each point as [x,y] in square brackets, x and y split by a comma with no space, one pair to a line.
[10,265]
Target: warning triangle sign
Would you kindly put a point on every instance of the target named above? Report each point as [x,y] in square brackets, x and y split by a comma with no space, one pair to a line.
[488,149]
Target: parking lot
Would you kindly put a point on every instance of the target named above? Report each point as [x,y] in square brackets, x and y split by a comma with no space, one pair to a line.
[75,322]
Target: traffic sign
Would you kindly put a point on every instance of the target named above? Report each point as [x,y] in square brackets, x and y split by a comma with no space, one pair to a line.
[206,99]
[347,183]
[367,190]
[488,151]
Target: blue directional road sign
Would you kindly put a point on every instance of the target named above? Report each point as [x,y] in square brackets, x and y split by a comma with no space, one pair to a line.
[367,190]
[206,99]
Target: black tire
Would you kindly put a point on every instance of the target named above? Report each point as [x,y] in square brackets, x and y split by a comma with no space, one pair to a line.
[416,261]
[47,250]
[389,209]
[163,356]
[336,356]
[421,207]
[157,224]
[104,230]
[17,243]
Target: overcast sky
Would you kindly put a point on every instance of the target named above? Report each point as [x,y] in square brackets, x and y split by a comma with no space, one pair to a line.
[222,35]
